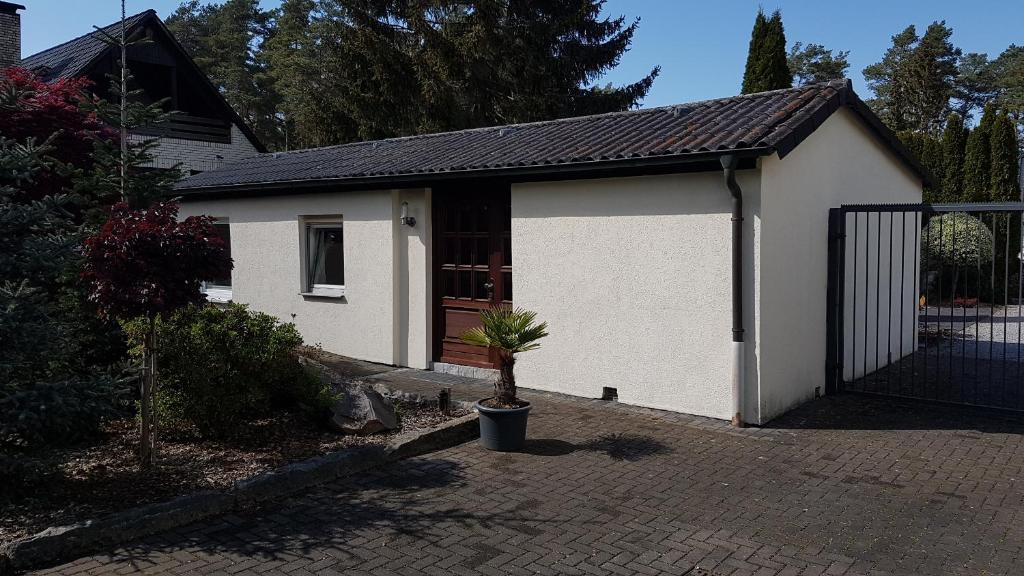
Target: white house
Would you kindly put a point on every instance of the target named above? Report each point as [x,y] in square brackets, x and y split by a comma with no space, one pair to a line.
[618,229]
[204,131]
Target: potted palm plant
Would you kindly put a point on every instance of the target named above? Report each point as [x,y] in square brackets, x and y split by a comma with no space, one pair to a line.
[508,331]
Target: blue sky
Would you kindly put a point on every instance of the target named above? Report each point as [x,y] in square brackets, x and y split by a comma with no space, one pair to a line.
[700,44]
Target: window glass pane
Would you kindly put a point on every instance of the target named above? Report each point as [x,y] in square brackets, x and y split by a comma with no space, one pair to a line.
[479,285]
[223,230]
[448,251]
[448,283]
[466,251]
[326,255]
[464,284]
[506,278]
[482,251]
[506,251]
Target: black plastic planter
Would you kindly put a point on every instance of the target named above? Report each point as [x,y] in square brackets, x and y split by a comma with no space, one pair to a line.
[503,429]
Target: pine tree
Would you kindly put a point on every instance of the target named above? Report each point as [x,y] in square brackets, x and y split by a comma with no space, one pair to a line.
[814,63]
[932,72]
[914,81]
[1004,181]
[954,142]
[767,66]
[978,159]
[290,60]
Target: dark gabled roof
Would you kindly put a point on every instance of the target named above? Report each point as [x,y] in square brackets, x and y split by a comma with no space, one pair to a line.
[750,125]
[76,58]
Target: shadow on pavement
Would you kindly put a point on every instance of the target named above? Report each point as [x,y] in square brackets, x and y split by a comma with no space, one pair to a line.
[628,447]
[859,412]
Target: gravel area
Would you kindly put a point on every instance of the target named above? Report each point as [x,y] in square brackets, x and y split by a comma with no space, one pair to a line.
[74,484]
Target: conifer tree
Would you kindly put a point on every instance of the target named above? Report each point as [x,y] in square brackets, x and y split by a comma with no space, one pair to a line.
[977,159]
[932,160]
[767,66]
[954,142]
[1004,182]
[754,53]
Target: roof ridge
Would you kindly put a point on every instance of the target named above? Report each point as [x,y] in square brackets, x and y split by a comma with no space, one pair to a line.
[666,108]
[90,33]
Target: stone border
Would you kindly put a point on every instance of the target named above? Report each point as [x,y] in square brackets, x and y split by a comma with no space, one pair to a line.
[57,544]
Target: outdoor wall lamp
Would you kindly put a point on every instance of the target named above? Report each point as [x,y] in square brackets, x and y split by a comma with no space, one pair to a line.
[406,219]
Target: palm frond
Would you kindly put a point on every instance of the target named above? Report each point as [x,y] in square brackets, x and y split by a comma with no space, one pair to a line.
[512,330]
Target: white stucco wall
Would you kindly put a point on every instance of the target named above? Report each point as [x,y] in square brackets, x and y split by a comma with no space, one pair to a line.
[842,162]
[198,155]
[633,277]
[383,260]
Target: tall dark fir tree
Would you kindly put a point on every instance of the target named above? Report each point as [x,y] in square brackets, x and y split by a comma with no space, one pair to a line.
[954,143]
[767,65]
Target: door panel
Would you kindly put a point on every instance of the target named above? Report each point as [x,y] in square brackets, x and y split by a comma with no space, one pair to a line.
[474,265]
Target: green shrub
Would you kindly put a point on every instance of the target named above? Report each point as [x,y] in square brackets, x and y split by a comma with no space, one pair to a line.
[60,411]
[220,367]
[956,240]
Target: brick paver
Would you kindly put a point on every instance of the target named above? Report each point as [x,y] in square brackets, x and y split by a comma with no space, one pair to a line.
[842,486]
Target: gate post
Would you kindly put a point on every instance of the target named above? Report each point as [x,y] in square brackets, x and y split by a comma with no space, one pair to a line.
[833,300]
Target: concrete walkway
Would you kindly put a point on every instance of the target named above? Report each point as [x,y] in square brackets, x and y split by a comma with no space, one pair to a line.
[842,486]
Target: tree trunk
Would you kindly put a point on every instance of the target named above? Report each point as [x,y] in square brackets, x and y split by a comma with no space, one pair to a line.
[146,403]
[505,387]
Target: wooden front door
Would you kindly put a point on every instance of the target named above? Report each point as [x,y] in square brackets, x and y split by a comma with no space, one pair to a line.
[474,266]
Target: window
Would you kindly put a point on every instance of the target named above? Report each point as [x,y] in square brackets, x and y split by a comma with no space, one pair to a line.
[325,259]
[219,289]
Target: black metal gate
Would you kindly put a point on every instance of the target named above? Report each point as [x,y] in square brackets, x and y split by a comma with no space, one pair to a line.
[925,301]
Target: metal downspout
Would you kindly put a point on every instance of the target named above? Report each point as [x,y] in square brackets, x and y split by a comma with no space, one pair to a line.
[729,162]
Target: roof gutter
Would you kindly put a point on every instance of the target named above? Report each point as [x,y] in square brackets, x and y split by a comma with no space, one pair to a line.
[729,162]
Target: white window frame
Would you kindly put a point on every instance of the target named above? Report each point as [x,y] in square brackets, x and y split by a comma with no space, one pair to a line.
[218,293]
[309,224]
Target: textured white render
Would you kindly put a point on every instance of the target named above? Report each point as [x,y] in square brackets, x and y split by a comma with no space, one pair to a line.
[633,277]
[382,259]
[839,163]
[199,156]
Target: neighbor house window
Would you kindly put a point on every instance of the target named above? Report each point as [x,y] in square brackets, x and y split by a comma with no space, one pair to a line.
[219,289]
[325,258]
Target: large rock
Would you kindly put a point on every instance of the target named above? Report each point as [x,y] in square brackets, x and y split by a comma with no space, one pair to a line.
[362,410]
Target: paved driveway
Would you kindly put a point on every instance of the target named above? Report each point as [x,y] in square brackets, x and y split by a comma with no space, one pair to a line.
[841,486]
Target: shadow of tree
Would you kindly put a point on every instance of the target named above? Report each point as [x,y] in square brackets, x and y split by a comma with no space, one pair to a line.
[405,501]
[628,447]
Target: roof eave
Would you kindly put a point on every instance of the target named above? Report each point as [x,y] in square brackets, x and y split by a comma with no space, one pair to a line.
[585,169]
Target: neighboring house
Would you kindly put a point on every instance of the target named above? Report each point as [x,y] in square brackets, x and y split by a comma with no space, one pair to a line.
[615,228]
[203,133]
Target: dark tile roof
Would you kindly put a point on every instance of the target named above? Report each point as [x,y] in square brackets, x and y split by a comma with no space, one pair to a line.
[755,124]
[73,58]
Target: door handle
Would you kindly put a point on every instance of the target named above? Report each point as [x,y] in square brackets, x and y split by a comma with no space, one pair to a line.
[489,286]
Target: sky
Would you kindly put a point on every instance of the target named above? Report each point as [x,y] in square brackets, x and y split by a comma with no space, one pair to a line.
[701,45]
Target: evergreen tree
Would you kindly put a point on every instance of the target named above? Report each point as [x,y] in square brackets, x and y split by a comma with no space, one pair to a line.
[814,63]
[1008,75]
[290,60]
[954,143]
[933,161]
[767,67]
[889,79]
[975,84]
[755,51]
[224,40]
[978,159]
[331,71]
[914,81]
[933,71]
[1004,181]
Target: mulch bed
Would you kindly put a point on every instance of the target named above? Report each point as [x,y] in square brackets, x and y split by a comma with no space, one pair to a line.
[102,477]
